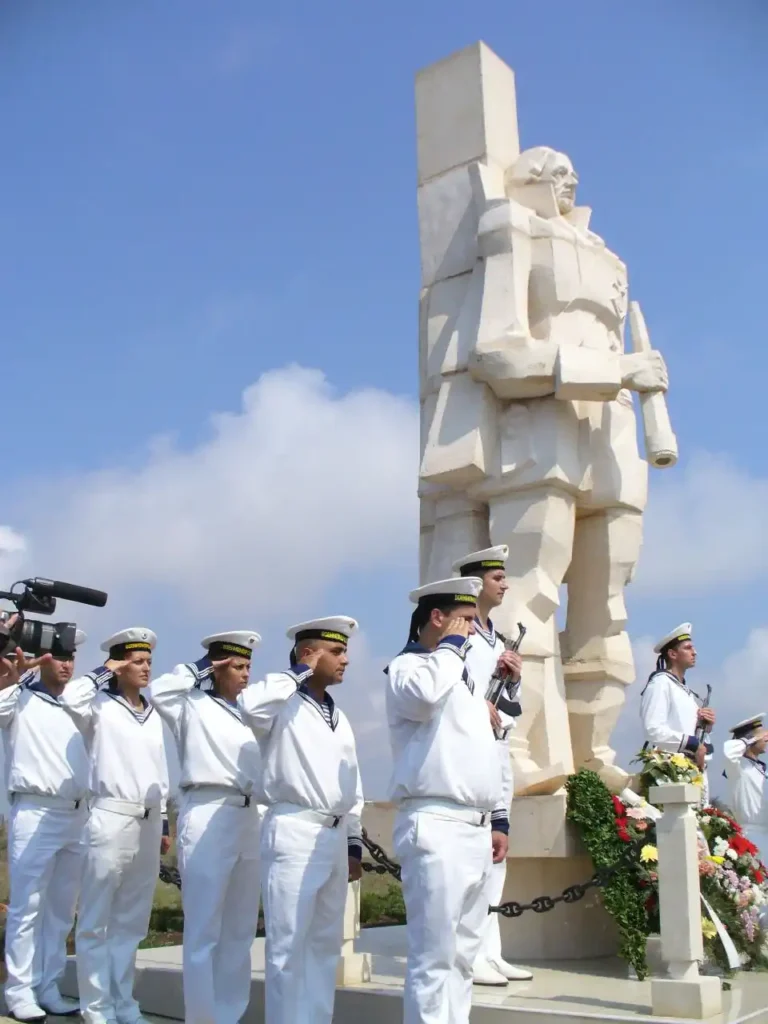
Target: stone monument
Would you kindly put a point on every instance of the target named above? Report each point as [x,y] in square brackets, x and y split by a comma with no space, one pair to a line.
[528,431]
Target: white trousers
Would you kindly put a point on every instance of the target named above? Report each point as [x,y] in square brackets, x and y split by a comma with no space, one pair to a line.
[122,859]
[490,945]
[490,942]
[218,854]
[45,858]
[306,872]
[445,867]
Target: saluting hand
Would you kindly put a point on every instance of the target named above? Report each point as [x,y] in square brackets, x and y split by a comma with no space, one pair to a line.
[310,657]
[454,627]
[13,666]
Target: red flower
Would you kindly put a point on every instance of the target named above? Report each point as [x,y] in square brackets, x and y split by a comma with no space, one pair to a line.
[618,806]
[622,822]
[759,877]
[624,836]
[650,903]
[742,845]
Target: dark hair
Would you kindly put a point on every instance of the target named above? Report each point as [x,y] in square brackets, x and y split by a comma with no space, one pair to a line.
[661,661]
[423,611]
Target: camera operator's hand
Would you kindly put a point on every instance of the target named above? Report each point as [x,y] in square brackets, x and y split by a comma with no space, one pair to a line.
[13,667]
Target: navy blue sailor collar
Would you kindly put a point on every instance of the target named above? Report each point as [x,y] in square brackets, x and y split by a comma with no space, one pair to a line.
[37,686]
[489,635]
[328,709]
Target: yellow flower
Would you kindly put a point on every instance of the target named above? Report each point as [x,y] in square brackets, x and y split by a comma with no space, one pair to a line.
[708,930]
[679,761]
[698,779]
[649,852]
[717,860]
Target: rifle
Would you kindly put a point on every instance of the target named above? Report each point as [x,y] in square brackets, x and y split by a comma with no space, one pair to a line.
[499,686]
[703,729]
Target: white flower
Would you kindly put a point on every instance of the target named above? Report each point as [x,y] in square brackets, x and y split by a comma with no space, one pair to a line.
[731,854]
[720,845]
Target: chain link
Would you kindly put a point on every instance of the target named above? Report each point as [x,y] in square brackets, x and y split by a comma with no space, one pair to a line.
[170,875]
[540,905]
[384,865]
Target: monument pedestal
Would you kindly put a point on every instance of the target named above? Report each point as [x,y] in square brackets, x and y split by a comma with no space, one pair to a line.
[547,856]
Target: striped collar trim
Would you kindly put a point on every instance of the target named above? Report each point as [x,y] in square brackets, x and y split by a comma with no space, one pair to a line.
[141,715]
[328,709]
[489,635]
[231,709]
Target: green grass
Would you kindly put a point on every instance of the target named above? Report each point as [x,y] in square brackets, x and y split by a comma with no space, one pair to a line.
[381,902]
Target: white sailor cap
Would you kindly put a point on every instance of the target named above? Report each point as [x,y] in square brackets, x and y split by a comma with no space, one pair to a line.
[743,730]
[237,644]
[457,590]
[682,632]
[137,638]
[80,637]
[478,562]
[335,628]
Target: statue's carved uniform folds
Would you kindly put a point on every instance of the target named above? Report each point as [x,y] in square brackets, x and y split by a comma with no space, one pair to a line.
[529,436]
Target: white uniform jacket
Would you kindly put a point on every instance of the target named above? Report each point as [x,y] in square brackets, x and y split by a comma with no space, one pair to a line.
[215,746]
[747,786]
[46,753]
[485,649]
[669,711]
[443,746]
[126,744]
[308,749]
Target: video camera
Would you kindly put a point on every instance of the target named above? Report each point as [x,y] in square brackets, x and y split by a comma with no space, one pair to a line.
[33,636]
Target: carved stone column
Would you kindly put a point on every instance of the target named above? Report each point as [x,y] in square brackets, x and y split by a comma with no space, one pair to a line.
[683,993]
[353,968]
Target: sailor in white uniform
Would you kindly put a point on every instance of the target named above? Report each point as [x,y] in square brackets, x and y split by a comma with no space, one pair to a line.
[47,772]
[128,823]
[447,786]
[487,652]
[670,710]
[218,824]
[311,845]
[746,774]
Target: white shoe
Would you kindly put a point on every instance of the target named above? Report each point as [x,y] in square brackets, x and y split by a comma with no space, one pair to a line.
[484,974]
[509,971]
[28,1011]
[58,1005]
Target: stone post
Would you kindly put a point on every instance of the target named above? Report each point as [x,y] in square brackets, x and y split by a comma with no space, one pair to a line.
[353,968]
[683,993]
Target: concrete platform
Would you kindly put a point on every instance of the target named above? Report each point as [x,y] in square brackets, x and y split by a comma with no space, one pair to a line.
[568,992]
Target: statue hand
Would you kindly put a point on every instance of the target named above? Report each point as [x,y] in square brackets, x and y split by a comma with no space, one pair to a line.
[644,371]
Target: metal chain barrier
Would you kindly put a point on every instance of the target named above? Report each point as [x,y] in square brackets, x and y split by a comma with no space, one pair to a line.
[170,875]
[572,894]
[384,865]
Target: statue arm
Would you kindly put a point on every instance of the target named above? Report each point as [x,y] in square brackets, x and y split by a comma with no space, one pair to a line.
[506,356]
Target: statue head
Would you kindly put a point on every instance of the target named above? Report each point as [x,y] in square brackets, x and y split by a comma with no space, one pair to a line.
[542,164]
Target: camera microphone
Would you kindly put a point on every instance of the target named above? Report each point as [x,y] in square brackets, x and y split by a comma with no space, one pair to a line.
[69,592]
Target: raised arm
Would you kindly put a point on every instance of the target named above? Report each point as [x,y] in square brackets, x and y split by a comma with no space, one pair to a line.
[261,702]
[418,687]
[169,692]
[79,694]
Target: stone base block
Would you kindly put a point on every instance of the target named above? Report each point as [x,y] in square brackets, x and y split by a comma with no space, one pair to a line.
[570,931]
[353,969]
[695,998]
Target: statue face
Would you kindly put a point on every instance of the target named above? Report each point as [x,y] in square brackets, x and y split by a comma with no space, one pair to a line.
[559,170]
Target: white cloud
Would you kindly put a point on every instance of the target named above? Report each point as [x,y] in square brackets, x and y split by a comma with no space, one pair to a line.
[704,528]
[282,498]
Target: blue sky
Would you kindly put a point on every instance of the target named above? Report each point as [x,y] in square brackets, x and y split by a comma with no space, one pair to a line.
[197,194]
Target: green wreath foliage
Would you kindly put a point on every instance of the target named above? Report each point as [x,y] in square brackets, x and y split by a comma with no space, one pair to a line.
[591,809]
